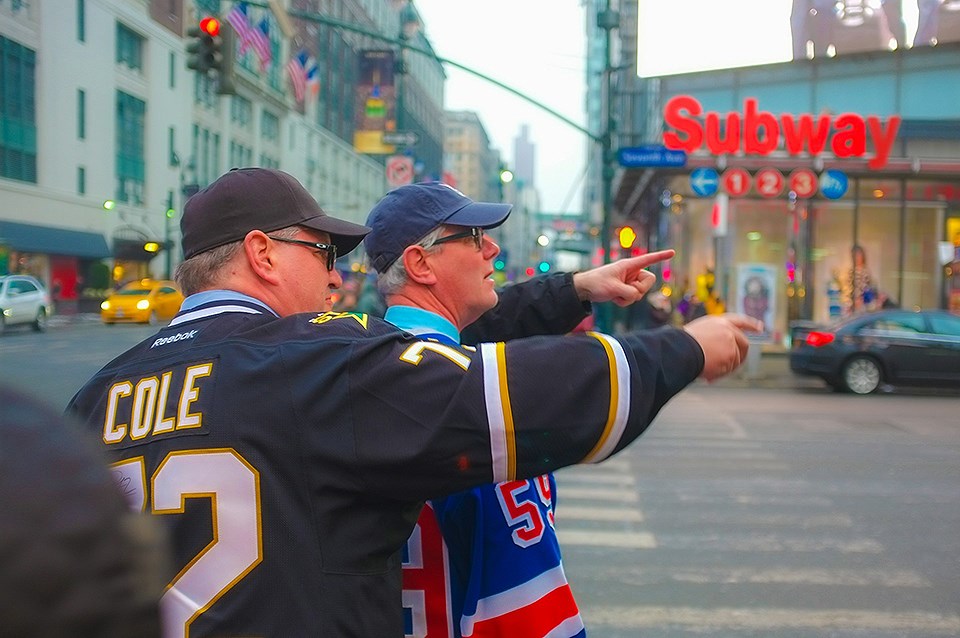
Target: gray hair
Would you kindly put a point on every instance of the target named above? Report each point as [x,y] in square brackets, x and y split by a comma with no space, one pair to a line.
[395,277]
[203,271]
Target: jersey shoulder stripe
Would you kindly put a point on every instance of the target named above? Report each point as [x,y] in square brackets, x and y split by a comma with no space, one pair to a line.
[499,415]
[619,409]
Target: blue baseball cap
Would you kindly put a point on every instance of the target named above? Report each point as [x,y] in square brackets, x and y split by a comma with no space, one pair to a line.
[405,215]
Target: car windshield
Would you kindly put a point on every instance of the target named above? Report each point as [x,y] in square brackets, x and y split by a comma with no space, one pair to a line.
[134,291]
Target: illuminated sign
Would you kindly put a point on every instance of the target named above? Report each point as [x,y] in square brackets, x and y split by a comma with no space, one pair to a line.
[756,132]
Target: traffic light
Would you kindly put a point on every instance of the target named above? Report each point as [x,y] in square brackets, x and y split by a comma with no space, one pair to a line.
[212,49]
[626,236]
[202,49]
[543,266]
[504,176]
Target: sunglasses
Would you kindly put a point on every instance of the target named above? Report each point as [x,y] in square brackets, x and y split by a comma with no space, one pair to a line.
[475,233]
[330,249]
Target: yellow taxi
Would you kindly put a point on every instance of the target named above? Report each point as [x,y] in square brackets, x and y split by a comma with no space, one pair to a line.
[143,301]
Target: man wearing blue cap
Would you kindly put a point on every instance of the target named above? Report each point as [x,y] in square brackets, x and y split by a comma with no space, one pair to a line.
[429,245]
[288,450]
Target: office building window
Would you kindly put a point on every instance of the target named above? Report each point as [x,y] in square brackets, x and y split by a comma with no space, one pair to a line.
[269,126]
[172,158]
[241,111]
[129,48]
[173,71]
[131,136]
[81,180]
[81,114]
[18,118]
[81,21]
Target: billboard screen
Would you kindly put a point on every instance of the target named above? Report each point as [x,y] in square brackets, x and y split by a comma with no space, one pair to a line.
[682,36]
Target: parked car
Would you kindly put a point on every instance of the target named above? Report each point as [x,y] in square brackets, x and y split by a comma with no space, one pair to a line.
[143,301]
[23,300]
[896,347]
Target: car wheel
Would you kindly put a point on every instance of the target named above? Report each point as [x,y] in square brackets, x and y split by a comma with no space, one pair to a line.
[862,375]
[40,323]
[3,324]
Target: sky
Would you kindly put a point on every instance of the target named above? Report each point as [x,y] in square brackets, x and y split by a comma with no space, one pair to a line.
[539,47]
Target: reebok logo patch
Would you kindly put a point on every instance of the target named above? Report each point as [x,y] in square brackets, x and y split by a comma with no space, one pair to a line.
[180,336]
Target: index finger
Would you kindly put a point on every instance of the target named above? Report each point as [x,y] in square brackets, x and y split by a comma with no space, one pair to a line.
[649,259]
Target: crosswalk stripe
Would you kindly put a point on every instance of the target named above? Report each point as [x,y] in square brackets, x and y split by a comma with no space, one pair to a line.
[597,494]
[596,538]
[769,543]
[584,513]
[714,620]
[865,577]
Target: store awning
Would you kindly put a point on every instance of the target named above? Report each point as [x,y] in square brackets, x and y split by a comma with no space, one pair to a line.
[53,241]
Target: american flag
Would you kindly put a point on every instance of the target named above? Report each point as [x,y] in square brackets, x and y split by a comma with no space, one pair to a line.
[298,74]
[261,43]
[238,20]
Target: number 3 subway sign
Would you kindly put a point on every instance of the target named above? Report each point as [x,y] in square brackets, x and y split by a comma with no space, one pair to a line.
[756,132]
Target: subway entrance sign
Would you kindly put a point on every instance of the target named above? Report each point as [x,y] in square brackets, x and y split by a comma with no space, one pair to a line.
[650,156]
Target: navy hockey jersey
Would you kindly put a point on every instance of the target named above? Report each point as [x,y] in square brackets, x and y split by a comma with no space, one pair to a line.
[289,457]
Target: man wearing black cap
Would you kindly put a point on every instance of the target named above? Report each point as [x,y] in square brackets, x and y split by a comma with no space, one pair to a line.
[289,451]
[435,260]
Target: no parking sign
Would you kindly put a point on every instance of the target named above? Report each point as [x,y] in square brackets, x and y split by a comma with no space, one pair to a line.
[399,170]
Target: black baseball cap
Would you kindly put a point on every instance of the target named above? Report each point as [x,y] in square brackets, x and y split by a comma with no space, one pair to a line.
[405,215]
[266,199]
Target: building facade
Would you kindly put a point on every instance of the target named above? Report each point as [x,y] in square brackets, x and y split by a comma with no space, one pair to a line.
[823,186]
[105,130]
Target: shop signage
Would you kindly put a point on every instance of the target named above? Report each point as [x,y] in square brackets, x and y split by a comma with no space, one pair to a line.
[652,156]
[803,182]
[769,182]
[704,181]
[833,184]
[757,132]
[736,181]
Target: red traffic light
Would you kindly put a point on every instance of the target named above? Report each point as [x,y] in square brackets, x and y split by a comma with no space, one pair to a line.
[210,26]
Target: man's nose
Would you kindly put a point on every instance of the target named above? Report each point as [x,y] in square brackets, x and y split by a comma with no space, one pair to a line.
[490,248]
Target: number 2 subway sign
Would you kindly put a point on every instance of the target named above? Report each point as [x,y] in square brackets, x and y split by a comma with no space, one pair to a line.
[756,132]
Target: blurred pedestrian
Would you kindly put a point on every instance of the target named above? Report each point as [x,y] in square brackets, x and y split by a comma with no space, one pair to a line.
[291,449]
[434,257]
[76,561]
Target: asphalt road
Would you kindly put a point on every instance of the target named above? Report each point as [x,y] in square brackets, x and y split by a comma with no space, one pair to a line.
[772,513]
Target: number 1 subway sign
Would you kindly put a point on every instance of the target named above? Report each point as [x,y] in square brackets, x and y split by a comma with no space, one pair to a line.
[756,132]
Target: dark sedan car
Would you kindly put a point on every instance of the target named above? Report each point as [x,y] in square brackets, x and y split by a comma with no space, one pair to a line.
[896,347]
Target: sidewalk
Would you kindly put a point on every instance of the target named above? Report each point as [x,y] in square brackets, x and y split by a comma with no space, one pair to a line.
[773,372]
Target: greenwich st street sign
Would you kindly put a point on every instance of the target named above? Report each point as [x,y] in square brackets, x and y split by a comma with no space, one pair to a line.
[756,132]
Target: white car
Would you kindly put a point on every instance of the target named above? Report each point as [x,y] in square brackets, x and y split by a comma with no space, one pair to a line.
[23,300]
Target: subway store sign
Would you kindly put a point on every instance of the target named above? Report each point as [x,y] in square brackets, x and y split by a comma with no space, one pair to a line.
[756,132]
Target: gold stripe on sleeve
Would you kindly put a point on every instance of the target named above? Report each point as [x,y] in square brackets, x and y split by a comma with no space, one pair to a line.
[508,427]
[618,415]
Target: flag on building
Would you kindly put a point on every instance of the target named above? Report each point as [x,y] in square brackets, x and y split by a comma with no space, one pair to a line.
[313,75]
[258,38]
[298,74]
[261,44]
[237,17]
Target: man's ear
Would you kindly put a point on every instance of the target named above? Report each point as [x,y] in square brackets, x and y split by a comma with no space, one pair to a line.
[261,255]
[416,261]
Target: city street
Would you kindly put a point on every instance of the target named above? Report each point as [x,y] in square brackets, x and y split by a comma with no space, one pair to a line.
[773,513]
[779,512]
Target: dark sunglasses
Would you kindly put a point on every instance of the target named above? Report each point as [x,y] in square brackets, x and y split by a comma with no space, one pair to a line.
[329,248]
[475,232]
